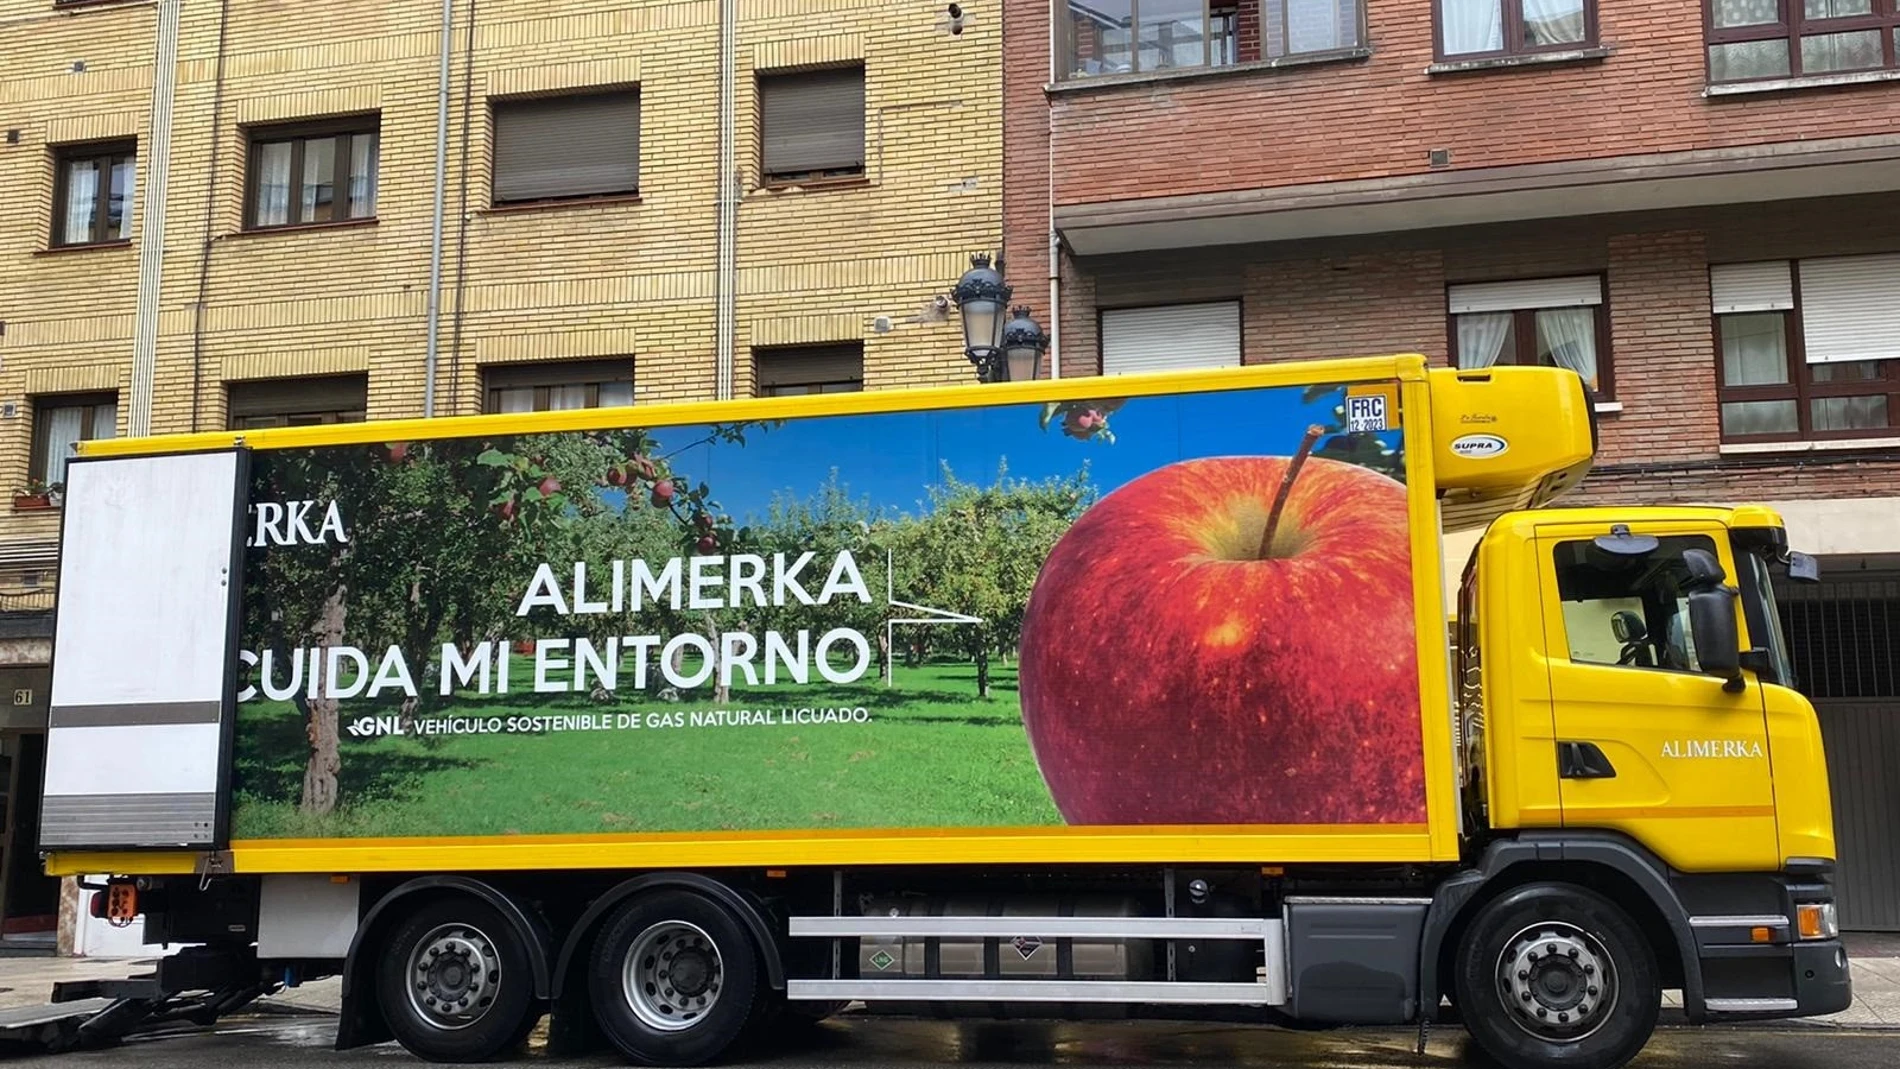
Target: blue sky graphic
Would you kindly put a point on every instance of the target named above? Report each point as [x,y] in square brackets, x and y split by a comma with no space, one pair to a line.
[892,458]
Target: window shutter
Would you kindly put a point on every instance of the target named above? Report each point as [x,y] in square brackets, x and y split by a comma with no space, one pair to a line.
[572,146]
[557,373]
[1171,338]
[1850,308]
[805,365]
[812,121]
[1572,292]
[1758,287]
[322,393]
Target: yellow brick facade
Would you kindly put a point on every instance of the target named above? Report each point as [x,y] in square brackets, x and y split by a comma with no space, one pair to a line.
[626,279]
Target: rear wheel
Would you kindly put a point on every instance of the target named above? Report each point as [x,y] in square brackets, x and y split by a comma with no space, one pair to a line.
[1557,977]
[674,979]
[454,983]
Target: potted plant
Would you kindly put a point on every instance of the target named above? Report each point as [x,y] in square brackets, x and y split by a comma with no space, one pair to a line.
[36,495]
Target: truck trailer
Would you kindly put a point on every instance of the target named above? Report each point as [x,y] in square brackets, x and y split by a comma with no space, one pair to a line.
[683,725]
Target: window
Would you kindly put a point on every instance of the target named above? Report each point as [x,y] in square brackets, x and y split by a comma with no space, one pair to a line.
[307,402]
[563,147]
[60,421]
[1756,39]
[784,372]
[559,386]
[1472,29]
[313,173]
[1807,350]
[811,124]
[92,194]
[1170,337]
[1299,27]
[1631,611]
[1550,322]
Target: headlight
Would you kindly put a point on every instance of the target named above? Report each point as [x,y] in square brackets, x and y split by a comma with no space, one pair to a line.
[1817,920]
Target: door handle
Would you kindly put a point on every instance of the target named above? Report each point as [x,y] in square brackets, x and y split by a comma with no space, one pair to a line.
[1583,760]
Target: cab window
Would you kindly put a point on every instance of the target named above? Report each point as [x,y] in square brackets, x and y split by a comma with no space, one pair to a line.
[1628,611]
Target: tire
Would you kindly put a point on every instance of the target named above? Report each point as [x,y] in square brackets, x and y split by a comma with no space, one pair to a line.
[660,939]
[1580,938]
[477,953]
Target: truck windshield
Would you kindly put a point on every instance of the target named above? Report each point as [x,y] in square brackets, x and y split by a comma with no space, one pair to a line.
[1764,617]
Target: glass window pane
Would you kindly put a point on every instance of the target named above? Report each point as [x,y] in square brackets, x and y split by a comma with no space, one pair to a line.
[565,398]
[1840,51]
[1836,9]
[272,207]
[82,202]
[1846,371]
[1313,26]
[1100,32]
[319,181]
[1567,337]
[1848,413]
[1755,350]
[365,150]
[1746,13]
[119,205]
[62,427]
[1553,22]
[1486,338]
[1223,29]
[1469,26]
[1169,35]
[616,394]
[1748,59]
[516,399]
[1759,417]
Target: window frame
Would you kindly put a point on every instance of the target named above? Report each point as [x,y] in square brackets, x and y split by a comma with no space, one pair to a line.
[629,91]
[780,179]
[1524,329]
[253,413]
[1800,387]
[545,376]
[1792,25]
[1512,12]
[45,404]
[763,355]
[300,135]
[103,155]
[1266,51]
[1066,39]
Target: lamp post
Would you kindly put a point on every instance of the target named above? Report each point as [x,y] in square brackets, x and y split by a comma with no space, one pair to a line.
[1002,350]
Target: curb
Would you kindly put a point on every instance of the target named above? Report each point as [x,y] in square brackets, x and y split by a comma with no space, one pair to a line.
[1673,1018]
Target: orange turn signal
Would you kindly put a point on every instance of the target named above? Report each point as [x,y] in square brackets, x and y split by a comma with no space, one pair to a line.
[1761,935]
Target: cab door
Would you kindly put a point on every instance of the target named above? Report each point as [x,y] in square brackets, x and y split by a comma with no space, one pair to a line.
[1645,743]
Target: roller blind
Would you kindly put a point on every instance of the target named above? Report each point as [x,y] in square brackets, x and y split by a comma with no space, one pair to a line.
[321,393]
[1767,286]
[811,122]
[1850,308]
[809,365]
[1569,292]
[572,146]
[1171,337]
[557,373]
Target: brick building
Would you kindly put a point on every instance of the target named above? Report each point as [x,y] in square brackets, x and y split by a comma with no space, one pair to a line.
[219,214]
[1695,205]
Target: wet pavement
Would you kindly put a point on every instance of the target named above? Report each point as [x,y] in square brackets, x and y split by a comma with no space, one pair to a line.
[271,1041]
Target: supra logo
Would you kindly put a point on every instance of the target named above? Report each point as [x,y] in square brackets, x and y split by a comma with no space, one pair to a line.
[287,523]
[1479,446]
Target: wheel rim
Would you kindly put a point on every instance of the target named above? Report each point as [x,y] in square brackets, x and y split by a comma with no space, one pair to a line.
[453,975]
[1558,981]
[672,976]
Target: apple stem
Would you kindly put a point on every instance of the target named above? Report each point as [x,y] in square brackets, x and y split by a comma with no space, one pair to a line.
[1286,487]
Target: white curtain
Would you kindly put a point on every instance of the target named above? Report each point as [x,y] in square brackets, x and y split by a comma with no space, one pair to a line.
[1569,337]
[365,163]
[1472,25]
[565,398]
[1754,349]
[82,200]
[62,430]
[616,394]
[519,399]
[1319,25]
[1481,338]
[1554,22]
[273,185]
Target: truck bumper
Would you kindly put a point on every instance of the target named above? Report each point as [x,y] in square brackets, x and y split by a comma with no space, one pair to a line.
[1821,981]
[1816,982]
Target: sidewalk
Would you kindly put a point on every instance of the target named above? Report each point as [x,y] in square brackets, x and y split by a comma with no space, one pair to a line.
[29,982]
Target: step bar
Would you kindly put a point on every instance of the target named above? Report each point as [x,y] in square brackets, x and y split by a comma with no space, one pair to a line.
[1269,990]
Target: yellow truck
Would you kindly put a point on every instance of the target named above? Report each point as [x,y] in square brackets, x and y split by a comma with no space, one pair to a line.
[681,724]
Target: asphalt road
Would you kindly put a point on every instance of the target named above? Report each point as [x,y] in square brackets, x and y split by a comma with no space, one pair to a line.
[899,1044]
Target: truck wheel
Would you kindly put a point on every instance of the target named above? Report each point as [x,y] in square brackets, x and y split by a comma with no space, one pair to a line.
[453,983]
[673,978]
[1557,976]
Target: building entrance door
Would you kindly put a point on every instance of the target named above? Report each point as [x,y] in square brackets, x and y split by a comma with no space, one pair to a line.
[29,899]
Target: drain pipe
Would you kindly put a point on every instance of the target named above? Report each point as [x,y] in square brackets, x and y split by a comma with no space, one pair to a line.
[152,227]
[434,307]
[1055,240]
[727,271]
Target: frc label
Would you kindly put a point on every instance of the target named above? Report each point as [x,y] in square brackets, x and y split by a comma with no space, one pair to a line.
[1366,413]
[1479,446]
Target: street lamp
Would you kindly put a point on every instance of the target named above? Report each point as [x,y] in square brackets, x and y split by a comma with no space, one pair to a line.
[1001,350]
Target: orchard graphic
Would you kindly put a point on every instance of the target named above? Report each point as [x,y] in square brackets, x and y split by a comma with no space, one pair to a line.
[576,632]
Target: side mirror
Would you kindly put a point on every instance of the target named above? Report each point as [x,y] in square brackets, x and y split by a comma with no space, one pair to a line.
[1717,638]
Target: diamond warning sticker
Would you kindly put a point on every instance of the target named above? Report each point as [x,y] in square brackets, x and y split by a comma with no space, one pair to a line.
[882,960]
[1026,945]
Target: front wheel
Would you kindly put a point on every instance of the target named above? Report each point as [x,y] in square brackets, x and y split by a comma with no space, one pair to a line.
[1557,977]
[674,979]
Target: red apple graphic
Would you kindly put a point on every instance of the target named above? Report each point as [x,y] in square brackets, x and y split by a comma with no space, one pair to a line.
[550,486]
[662,493]
[1188,657]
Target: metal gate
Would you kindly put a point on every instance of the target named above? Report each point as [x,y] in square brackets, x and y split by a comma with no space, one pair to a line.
[1842,633]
